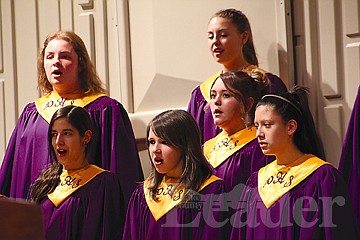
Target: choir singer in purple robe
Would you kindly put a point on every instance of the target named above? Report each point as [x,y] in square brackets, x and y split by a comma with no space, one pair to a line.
[66,76]
[299,195]
[79,200]
[181,199]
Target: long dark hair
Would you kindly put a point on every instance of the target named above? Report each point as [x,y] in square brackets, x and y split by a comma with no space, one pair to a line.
[242,24]
[180,130]
[294,105]
[243,86]
[49,178]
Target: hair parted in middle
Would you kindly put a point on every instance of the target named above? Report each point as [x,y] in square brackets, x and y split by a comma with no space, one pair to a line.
[179,129]
[243,86]
[49,178]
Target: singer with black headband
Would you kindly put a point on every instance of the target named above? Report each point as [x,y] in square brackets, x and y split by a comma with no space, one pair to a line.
[299,195]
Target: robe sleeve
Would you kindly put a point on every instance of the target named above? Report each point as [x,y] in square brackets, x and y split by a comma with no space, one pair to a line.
[115,147]
[26,155]
[215,219]
[349,164]
[105,216]
[135,218]
[202,115]
[335,218]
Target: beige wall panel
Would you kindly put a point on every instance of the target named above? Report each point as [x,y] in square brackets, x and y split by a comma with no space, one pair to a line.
[352,78]
[142,47]
[8,93]
[329,57]
[66,14]
[85,29]
[306,39]
[2,119]
[90,24]
[26,47]
[19,67]
[352,17]
[169,48]
[119,58]
[330,87]
[330,43]
[1,46]
[48,18]
[334,135]
[352,55]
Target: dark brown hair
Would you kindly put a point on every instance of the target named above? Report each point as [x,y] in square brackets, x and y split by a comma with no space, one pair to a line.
[49,178]
[242,24]
[243,86]
[179,129]
[294,105]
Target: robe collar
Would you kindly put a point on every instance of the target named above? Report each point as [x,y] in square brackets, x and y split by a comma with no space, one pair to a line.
[48,104]
[221,147]
[206,86]
[71,182]
[166,202]
[276,180]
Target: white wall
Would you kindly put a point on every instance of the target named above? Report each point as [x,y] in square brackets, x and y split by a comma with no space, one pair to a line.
[149,53]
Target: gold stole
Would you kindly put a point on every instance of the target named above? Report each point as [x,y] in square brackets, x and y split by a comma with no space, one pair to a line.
[71,182]
[276,180]
[206,86]
[47,105]
[166,202]
[221,147]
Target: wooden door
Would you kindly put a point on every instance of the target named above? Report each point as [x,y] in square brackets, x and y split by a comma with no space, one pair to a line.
[327,40]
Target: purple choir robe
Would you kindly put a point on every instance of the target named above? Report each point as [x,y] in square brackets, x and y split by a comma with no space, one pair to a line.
[349,164]
[236,170]
[238,167]
[202,114]
[199,219]
[95,211]
[113,148]
[330,216]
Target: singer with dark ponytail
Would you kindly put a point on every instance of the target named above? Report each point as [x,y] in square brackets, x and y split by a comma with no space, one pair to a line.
[299,195]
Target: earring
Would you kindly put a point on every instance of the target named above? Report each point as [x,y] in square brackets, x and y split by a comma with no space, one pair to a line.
[247,120]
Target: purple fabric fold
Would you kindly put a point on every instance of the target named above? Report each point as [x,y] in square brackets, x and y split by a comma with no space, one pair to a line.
[113,148]
[239,166]
[200,218]
[95,211]
[349,164]
[318,208]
